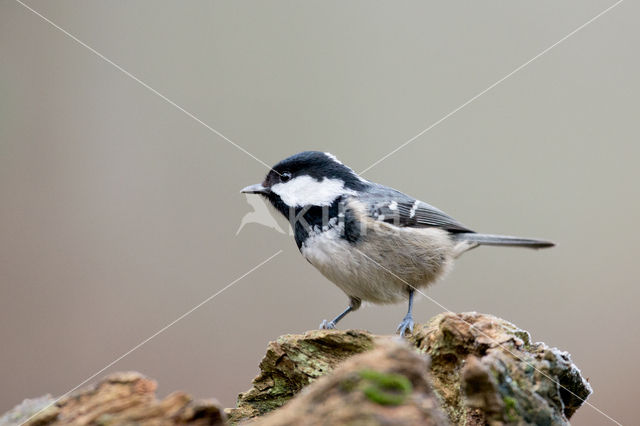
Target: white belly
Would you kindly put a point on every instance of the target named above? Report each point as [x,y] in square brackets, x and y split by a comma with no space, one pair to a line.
[384,263]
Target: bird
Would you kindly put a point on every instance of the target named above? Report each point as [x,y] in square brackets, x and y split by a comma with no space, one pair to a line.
[375,243]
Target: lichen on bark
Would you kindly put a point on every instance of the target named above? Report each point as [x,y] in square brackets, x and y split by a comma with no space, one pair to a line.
[481,362]
[383,386]
[294,361]
[483,370]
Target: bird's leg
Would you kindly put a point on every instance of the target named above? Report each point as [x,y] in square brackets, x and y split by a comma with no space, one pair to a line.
[354,304]
[332,324]
[407,321]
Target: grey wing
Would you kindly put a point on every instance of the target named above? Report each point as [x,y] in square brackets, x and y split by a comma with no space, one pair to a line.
[394,207]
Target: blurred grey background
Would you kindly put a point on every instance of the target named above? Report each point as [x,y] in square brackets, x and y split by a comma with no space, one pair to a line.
[118,212]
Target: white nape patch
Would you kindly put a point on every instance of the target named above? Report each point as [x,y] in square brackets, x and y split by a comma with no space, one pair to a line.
[393,205]
[332,157]
[307,191]
[412,212]
[335,159]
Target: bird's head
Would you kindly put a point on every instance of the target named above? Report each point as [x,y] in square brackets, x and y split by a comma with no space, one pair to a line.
[309,178]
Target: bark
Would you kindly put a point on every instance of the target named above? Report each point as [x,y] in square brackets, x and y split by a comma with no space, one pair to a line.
[483,370]
[387,385]
[118,399]
[462,369]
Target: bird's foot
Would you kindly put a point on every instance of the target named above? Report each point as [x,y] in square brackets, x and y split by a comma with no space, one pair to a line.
[327,325]
[405,325]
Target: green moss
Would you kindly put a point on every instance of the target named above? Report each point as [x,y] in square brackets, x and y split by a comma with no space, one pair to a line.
[385,388]
[267,406]
[510,408]
[280,386]
[526,338]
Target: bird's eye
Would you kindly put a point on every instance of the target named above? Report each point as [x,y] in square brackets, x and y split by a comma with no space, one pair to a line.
[285,177]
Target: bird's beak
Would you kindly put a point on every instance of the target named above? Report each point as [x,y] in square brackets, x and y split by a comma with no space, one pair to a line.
[255,189]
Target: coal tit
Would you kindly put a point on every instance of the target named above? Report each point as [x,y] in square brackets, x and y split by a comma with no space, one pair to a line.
[374,242]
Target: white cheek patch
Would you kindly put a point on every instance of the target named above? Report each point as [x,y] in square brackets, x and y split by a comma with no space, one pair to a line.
[307,191]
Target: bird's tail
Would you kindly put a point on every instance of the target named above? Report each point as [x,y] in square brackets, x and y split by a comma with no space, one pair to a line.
[501,240]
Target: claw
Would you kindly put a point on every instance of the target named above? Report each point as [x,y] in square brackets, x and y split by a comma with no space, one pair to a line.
[405,325]
[327,325]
